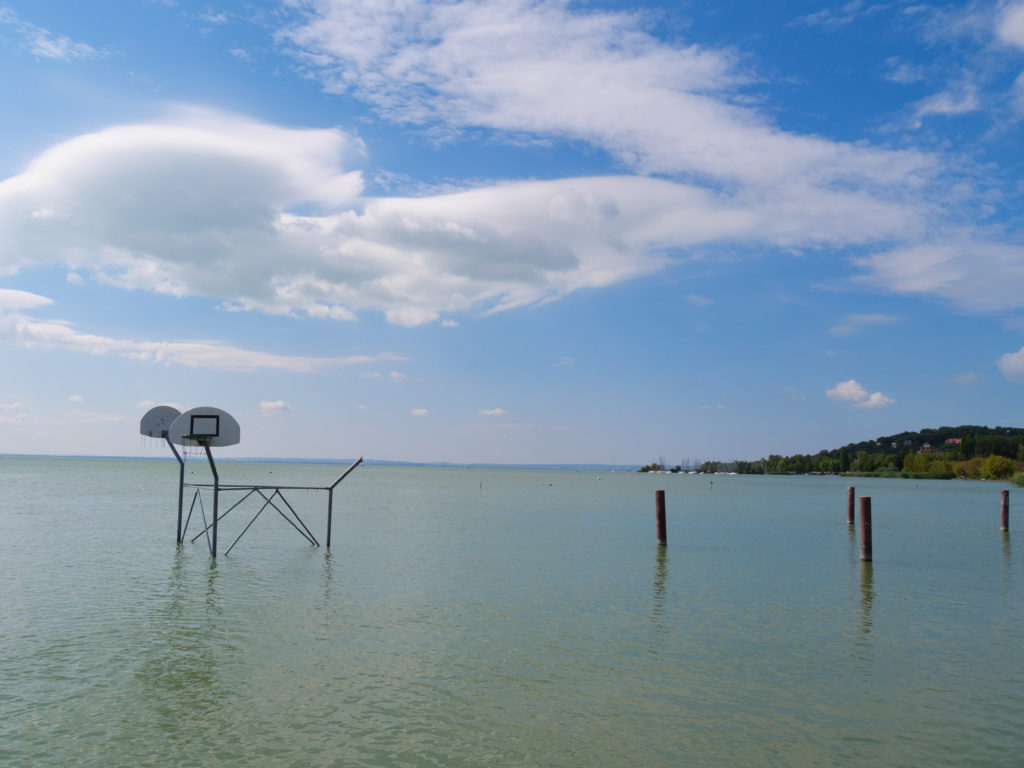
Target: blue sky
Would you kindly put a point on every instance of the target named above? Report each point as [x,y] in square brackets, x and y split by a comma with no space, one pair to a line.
[511,232]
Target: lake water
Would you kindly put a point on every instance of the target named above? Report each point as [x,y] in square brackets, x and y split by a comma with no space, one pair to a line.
[479,617]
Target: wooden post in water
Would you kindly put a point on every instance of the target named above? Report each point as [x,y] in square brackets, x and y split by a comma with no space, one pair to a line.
[1004,508]
[865,528]
[849,505]
[659,510]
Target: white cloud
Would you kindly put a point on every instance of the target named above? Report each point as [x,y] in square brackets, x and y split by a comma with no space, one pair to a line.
[494,412]
[420,412]
[23,331]
[21,300]
[853,393]
[76,399]
[273,219]
[960,99]
[1012,366]
[214,18]
[904,72]
[12,413]
[846,14]
[42,42]
[396,376]
[848,392]
[550,70]
[852,324]
[200,205]
[272,407]
[545,68]
[877,400]
[973,273]
[1010,25]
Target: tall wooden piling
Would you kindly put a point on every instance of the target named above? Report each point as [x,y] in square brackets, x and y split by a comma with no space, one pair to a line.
[865,528]
[1004,508]
[659,509]
[849,506]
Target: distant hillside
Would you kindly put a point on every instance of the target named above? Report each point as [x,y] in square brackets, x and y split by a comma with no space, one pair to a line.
[981,441]
[941,451]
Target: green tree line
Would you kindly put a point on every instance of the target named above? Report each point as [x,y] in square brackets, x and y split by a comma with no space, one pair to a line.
[969,451]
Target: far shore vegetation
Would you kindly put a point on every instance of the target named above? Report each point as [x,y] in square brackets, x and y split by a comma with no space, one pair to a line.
[970,452]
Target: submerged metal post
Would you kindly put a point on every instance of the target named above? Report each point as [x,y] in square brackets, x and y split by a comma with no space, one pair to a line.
[181,480]
[659,509]
[865,528]
[1004,508]
[849,505]
[216,492]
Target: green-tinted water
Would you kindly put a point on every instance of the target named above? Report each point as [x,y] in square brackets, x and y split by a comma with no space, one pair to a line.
[485,617]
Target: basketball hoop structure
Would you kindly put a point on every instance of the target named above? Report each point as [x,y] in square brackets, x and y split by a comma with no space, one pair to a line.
[207,427]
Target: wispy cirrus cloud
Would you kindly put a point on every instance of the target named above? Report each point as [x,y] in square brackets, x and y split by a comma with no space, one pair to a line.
[21,330]
[971,273]
[840,17]
[494,412]
[658,106]
[958,99]
[12,413]
[42,42]
[853,324]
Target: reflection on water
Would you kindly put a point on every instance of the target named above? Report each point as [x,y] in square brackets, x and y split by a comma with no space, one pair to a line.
[660,577]
[864,652]
[867,595]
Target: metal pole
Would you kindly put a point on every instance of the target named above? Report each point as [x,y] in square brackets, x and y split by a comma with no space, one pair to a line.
[659,509]
[216,492]
[330,513]
[865,528]
[346,473]
[181,480]
[330,496]
[1004,508]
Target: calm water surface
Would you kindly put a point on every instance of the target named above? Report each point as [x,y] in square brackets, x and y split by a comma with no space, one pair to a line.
[506,618]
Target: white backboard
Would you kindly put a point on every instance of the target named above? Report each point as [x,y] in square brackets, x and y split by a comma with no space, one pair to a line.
[205,426]
[156,422]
